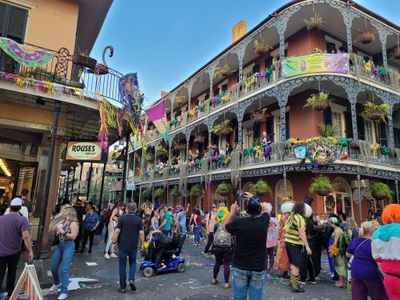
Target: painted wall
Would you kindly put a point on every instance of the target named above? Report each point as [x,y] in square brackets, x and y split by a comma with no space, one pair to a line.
[53,24]
[304,41]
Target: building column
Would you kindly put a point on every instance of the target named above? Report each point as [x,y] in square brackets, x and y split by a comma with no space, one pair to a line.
[391,143]
[348,21]
[354,119]
[282,114]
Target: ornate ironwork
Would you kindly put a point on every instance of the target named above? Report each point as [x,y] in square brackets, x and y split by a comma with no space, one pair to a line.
[63,58]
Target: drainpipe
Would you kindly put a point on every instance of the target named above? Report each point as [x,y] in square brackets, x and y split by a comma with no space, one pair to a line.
[57,109]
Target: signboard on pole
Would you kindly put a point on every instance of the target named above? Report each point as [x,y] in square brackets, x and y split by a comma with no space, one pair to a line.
[84,151]
[130,186]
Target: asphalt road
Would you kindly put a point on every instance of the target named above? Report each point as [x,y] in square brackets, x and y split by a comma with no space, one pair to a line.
[193,284]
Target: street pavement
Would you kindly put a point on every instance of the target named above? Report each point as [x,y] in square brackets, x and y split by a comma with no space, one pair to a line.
[193,284]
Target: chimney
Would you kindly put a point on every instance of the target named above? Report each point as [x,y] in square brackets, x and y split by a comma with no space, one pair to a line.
[238,30]
[164,94]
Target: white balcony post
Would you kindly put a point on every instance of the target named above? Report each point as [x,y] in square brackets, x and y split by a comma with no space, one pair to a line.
[391,143]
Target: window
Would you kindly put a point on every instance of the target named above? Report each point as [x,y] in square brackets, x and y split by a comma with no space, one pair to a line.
[338,118]
[281,195]
[248,71]
[370,133]
[248,135]
[13,22]
[330,47]
[277,124]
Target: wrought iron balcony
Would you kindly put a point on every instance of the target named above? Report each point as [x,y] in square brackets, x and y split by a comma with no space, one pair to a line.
[57,72]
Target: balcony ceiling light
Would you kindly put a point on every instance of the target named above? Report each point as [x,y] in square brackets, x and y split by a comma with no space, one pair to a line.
[4,168]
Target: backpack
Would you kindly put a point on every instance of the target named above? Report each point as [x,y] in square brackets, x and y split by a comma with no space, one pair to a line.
[222,239]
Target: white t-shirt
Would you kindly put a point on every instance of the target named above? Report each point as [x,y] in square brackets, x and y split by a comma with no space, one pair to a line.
[23,211]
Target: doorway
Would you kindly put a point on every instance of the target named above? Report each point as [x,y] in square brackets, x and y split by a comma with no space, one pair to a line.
[340,200]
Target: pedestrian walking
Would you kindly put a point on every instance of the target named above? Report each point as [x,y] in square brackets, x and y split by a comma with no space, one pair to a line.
[155,220]
[222,248]
[66,232]
[166,224]
[210,226]
[13,227]
[181,219]
[272,242]
[365,275]
[80,212]
[197,221]
[250,253]
[90,223]
[112,223]
[296,243]
[127,234]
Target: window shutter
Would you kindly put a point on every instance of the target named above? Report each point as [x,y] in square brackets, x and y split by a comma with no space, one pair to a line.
[17,18]
[256,128]
[287,126]
[396,137]
[3,8]
[328,116]
[361,128]
[256,69]
[349,125]
[268,62]
[270,126]
[382,137]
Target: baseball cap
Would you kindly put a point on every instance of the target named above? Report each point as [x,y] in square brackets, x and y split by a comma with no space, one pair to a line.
[252,206]
[213,206]
[16,202]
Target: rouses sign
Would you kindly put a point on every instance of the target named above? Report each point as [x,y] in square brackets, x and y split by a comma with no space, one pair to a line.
[85,151]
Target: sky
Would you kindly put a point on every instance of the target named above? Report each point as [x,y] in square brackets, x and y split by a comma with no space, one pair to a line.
[166,41]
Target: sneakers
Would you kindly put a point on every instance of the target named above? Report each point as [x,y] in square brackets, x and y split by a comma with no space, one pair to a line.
[107,256]
[122,291]
[113,255]
[303,282]
[309,281]
[62,297]
[298,290]
[54,289]
[132,285]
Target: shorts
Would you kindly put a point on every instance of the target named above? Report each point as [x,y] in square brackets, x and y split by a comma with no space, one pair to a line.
[295,254]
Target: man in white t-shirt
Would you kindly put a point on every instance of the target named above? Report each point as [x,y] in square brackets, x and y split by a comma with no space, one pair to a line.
[23,211]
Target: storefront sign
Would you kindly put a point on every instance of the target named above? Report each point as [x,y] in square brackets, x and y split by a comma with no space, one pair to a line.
[315,63]
[83,151]
[114,174]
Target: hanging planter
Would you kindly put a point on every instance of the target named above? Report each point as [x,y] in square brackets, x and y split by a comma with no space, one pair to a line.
[224,189]
[149,157]
[396,53]
[260,115]
[180,100]
[161,151]
[83,59]
[179,146]
[261,48]
[261,188]
[174,193]
[319,102]
[366,37]
[354,145]
[223,71]
[376,112]
[321,185]
[145,193]
[158,193]
[314,22]
[196,191]
[222,128]
[199,138]
[380,191]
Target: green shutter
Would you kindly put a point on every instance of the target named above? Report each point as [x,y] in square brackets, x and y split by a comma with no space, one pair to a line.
[349,125]
[361,128]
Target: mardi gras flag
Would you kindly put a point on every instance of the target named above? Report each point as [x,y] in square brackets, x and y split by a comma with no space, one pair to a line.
[157,114]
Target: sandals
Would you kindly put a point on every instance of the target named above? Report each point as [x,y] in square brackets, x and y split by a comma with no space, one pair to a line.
[227,286]
[214,282]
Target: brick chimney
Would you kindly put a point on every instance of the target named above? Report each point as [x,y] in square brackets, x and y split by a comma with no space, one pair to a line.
[238,30]
[164,94]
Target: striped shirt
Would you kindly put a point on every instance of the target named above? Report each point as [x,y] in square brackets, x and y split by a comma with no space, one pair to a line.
[292,226]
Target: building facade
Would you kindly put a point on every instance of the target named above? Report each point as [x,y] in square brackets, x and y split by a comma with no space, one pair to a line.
[258,87]
[48,96]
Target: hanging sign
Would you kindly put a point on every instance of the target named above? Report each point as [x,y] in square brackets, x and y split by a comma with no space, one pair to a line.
[84,151]
[130,186]
[315,63]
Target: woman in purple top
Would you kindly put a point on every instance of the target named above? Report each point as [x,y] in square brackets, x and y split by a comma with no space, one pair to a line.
[365,276]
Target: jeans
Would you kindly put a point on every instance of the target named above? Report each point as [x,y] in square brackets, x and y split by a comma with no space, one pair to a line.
[196,231]
[182,228]
[248,283]
[123,255]
[10,263]
[61,262]
[109,247]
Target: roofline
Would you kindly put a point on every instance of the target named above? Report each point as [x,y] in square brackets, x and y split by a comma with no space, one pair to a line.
[271,16]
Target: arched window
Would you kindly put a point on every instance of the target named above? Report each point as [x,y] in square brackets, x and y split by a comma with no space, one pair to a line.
[280,194]
[340,200]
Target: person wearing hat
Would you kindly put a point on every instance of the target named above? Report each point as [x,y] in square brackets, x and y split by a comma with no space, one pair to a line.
[13,227]
[249,252]
[23,210]
[338,251]
[210,224]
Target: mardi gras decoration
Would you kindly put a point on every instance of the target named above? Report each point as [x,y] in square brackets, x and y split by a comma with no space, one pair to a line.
[158,115]
[24,54]
[102,69]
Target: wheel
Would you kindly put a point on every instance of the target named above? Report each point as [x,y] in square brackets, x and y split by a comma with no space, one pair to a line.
[181,267]
[148,272]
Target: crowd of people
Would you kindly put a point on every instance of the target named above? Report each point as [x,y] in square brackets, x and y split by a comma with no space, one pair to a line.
[249,241]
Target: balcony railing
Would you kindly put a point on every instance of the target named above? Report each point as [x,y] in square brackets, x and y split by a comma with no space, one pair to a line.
[61,69]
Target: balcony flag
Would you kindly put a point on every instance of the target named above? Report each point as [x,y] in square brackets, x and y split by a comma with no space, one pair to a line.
[157,114]
[24,54]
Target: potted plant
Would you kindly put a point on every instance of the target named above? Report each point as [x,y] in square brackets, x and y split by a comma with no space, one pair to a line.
[196,191]
[260,115]
[145,193]
[327,130]
[198,138]
[366,37]
[192,112]
[224,189]
[314,22]
[83,59]
[318,101]
[261,188]
[260,47]
[321,185]
[174,193]
[380,190]
[158,193]
[223,71]
[222,128]
[376,112]
[149,157]
[180,100]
